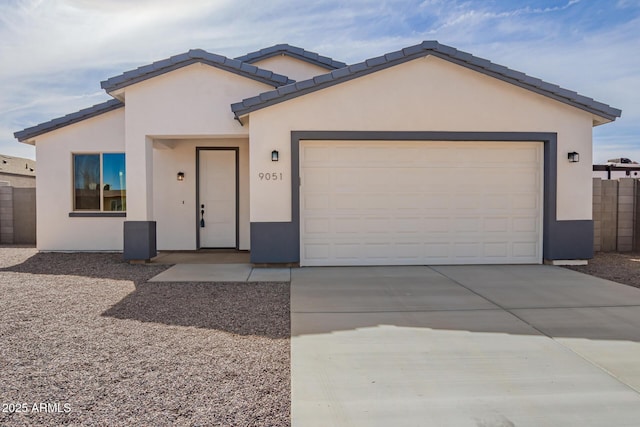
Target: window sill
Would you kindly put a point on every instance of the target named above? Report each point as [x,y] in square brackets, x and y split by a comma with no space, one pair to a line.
[97,214]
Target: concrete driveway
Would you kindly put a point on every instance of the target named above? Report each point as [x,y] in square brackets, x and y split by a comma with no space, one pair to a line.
[463,346]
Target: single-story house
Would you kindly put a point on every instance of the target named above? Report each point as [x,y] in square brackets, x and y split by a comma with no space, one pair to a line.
[425,155]
[17,172]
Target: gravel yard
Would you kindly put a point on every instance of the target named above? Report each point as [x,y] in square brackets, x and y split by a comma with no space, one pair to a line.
[86,332]
[88,337]
[618,267]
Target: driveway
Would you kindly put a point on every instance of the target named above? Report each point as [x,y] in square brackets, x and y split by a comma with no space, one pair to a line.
[463,346]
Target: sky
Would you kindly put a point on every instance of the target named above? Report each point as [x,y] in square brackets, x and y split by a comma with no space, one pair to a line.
[54,53]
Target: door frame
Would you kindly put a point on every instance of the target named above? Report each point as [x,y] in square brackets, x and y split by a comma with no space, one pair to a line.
[237,185]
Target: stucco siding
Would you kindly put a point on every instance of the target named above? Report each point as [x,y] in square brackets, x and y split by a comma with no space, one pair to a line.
[56,231]
[426,94]
[189,102]
[175,201]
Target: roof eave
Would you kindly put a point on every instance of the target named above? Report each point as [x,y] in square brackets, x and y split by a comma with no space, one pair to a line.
[192,57]
[28,135]
[295,52]
[423,50]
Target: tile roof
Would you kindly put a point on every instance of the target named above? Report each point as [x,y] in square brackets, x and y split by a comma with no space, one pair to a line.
[295,52]
[83,114]
[193,56]
[434,48]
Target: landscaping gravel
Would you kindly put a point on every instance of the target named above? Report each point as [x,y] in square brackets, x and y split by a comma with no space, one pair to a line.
[85,340]
[618,267]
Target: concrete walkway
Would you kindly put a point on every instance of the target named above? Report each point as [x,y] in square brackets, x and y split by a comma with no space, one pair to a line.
[222,273]
[463,346]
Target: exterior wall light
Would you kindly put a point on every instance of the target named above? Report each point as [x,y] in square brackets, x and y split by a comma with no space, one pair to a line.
[274,156]
[573,157]
[180,176]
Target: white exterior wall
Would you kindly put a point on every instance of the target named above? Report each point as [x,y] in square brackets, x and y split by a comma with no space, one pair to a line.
[426,94]
[193,101]
[175,201]
[190,107]
[56,231]
[293,68]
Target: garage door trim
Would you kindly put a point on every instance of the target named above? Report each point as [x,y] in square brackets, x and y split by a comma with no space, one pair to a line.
[573,239]
[420,202]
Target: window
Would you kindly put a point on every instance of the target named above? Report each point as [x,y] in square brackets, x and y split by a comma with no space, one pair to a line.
[99,182]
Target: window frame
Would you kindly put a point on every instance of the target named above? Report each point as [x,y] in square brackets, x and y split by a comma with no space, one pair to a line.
[92,212]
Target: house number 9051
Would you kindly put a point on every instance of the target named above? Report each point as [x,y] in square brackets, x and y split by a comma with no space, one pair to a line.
[270,176]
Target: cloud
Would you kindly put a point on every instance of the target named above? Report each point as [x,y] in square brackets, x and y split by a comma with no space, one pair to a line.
[55,53]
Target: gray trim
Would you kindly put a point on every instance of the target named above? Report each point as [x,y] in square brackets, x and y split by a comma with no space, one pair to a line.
[274,243]
[139,240]
[294,52]
[97,214]
[560,239]
[67,120]
[191,57]
[413,52]
[568,240]
[237,161]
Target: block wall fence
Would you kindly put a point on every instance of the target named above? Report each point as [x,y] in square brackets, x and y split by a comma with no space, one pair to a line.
[17,215]
[616,215]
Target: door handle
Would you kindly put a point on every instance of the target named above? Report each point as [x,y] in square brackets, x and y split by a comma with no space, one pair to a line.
[201,216]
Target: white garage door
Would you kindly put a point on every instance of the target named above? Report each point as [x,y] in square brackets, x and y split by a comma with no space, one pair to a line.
[420,202]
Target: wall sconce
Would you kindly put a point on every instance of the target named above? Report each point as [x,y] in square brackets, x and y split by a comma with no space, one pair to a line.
[275,155]
[573,157]
[180,176]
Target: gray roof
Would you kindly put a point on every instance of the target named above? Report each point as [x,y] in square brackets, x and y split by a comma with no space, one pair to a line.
[425,48]
[86,113]
[195,55]
[295,52]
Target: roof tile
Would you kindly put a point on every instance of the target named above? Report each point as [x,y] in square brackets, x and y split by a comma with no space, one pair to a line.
[376,61]
[293,51]
[355,68]
[393,56]
[323,78]
[83,114]
[193,55]
[412,50]
[442,51]
[341,72]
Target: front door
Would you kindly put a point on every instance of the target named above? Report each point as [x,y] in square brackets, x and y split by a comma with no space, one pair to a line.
[218,198]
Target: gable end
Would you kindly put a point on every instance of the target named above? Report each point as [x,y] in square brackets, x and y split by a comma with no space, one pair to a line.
[424,49]
[294,52]
[195,55]
[67,120]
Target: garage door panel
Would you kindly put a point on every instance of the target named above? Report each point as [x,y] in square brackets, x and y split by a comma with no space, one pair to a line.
[497,202]
[524,250]
[527,202]
[496,224]
[317,225]
[319,155]
[496,250]
[526,225]
[466,225]
[417,202]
